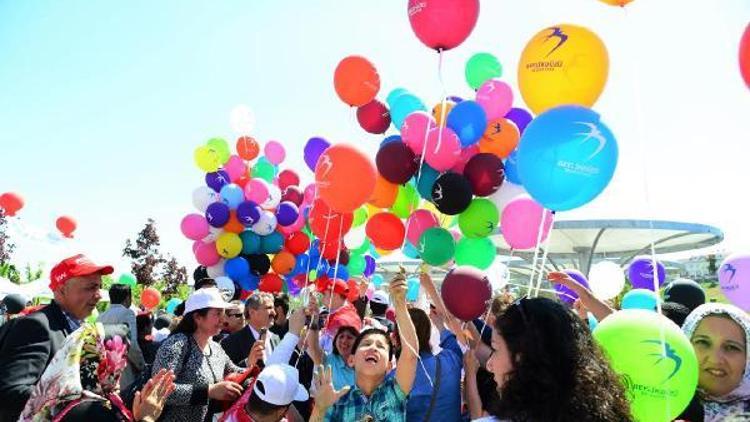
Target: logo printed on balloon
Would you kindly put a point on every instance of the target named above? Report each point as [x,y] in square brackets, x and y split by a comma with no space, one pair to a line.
[593,133]
[326,164]
[731,269]
[669,353]
[556,32]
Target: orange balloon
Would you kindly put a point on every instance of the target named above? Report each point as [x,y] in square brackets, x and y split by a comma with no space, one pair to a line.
[384,194]
[500,138]
[247,147]
[620,3]
[436,112]
[386,231]
[356,81]
[150,298]
[234,225]
[345,178]
[271,283]
[353,293]
[283,263]
[11,203]
[66,225]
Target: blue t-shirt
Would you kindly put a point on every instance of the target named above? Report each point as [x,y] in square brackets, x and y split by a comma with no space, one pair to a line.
[341,373]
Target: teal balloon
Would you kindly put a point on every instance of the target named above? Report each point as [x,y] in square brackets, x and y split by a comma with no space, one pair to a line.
[426,181]
[404,105]
[410,251]
[395,93]
[566,157]
[640,299]
[273,243]
[412,289]
[482,67]
[264,169]
[127,278]
[356,265]
[469,121]
[478,253]
[377,280]
[436,246]
[479,219]
[592,321]
[172,305]
[250,243]
[363,248]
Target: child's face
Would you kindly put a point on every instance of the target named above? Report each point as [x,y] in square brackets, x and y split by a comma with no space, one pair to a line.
[372,356]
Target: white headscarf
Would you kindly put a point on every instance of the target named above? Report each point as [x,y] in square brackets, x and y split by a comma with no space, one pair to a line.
[736,402]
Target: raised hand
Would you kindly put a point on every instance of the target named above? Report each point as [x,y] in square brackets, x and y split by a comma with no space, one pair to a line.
[398,288]
[149,402]
[256,352]
[326,395]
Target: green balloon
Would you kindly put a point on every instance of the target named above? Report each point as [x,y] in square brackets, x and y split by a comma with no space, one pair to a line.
[313,275]
[264,170]
[221,147]
[479,219]
[436,246]
[406,201]
[477,252]
[660,381]
[363,248]
[356,265]
[480,68]
[360,216]
[93,317]
[127,278]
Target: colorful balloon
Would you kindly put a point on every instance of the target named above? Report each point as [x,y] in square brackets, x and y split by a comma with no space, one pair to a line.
[564,64]
[745,55]
[235,167]
[425,180]
[500,138]
[511,168]
[466,293]
[345,178]
[272,243]
[418,222]
[313,149]
[441,110]
[11,203]
[217,214]
[386,231]
[479,219]
[232,195]
[384,194]
[521,220]
[266,224]
[263,169]
[466,154]
[451,193]
[620,3]
[150,298]
[486,173]
[127,278]
[206,254]
[274,152]
[217,180]
[404,105]
[286,213]
[640,299]
[406,202]
[436,246]
[237,268]
[482,67]
[297,243]
[478,253]
[442,24]
[206,159]
[734,279]
[250,242]
[228,245]
[247,148]
[327,224]
[374,117]
[396,162]
[469,121]
[606,280]
[67,225]
[271,283]
[443,148]
[496,98]
[220,146]
[356,81]
[259,263]
[248,213]
[520,117]
[256,190]
[641,273]
[203,196]
[283,263]
[567,295]
[414,130]
[194,226]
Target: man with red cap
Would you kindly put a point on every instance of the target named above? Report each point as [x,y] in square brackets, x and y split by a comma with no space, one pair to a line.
[342,313]
[31,342]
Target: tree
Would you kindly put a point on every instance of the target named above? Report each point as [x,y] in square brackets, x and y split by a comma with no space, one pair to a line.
[711,264]
[144,255]
[174,275]
[6,246]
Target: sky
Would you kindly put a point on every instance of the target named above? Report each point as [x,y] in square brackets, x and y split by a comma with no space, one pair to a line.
[103,103]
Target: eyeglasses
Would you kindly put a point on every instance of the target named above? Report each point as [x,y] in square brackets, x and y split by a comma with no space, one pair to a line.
[238,316]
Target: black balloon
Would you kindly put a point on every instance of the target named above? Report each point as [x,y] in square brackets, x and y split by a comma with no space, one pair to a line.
[200,272]
[451,193]
[259,263]
[485,173]
[396,162]
[686,292]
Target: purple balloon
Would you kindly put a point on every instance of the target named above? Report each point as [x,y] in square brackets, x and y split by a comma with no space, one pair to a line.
[567,295]
[217,180]
[286,213]
[641,273]
[248,213]
[455,99]
[313,148]
[217,214]
[369,266]
[520,117]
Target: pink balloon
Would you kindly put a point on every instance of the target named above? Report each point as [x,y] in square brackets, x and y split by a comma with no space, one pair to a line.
[196,244]
[274,152]
[414,130]
[194,226]
[443,148]
[456,235]
[370,291]
[256,190]
[235,167]
[464,158]
[443,24]
[309,194]
[496,98]
[520,222]
[419,221]
[207,255]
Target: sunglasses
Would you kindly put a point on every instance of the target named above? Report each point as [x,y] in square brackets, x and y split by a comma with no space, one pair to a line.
[238,316]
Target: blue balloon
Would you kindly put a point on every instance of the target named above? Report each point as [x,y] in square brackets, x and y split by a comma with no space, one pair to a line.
[248,212]
[377,280]
[592,321]
[388,140]
[395,93]
[412,290]
[217,180]
[172,305]
[217,214]
[566,157]
[426,181]
[340,273]
[237,268]
[300,265]
[250,282]
[250,243]
[232,195]
[404,105]
[273,243]
[286,213]
[640,299]
[410,250]
[511,168]
[469,121]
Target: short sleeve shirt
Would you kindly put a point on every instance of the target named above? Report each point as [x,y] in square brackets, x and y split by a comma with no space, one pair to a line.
[387,403]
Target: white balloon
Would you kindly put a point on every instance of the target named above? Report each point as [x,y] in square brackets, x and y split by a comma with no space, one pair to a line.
[242,119]
[606,280]
[355,237]
[226,287]
[213,233]
[266,224]
[274,197]
[498,274]
[216,271]
[506,192]
[203,197]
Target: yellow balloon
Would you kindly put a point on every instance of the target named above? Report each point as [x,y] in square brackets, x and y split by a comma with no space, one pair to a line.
[440,114]
[564,64]
[620,3]
[228,245]
[382,252]
[206,159]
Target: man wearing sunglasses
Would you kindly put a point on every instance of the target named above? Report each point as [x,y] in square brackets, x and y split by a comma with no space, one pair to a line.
[234,319]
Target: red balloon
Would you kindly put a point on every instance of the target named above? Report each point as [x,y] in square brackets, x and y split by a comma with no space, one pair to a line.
[271,283]
[485,173]
[247,147]
[466,292]
[288,178]
[294,195]
[345,178]
[396,162]
[297,243]
[353,294]
[745,56]
[374,117]
[386,231]
[327,224]
[329,249]
[11,203]
[443,24]
[66,225]
[150,298]
[356,80]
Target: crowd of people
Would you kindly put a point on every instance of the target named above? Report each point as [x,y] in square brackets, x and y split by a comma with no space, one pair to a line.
[329,359]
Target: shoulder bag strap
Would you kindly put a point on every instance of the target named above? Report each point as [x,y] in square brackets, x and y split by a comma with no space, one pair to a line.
[434,389]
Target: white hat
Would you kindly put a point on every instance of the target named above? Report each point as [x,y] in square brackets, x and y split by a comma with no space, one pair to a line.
[278,384]
[380,297]
[209,297]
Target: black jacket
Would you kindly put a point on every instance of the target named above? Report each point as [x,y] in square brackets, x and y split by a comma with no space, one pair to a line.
[238,345]
[25,352]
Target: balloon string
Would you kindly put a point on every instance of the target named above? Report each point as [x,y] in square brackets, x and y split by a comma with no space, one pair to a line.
[443,95]
[544,255]
[336,269]
[536,253]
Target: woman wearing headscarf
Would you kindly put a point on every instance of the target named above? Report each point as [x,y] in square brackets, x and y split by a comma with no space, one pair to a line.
[82,381]
[720,335]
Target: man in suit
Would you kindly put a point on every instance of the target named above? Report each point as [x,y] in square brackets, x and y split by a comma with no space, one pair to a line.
[259,314]
[32,341]
[119,312]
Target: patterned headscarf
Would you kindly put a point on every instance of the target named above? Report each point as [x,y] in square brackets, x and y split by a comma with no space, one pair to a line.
[87,367]
[737,402]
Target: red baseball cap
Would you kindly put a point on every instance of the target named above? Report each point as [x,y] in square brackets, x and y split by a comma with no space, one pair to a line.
[339,286]
[75,266]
